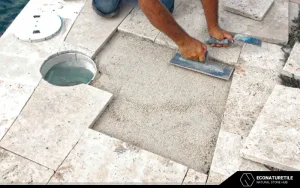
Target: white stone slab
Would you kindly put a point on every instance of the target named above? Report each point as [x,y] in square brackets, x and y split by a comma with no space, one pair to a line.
[215,178]
[293,13]
[273,29]
[252,166]
[53,121]
[292,66]
[13,97]
[227,158]
[100,158]
[275,137]
[268,56]
[249,91]
[194,178]
[295,1]
[91,31]
[69,47]
[254,9]
[190,16]
[138,24]
[17,170]
[20,69]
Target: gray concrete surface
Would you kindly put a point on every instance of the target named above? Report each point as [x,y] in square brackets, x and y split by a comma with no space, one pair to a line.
[164,109]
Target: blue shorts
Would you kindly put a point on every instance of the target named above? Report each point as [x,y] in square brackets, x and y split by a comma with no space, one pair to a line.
[111,7]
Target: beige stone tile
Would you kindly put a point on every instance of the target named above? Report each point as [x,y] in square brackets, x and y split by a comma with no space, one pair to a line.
[249,91]
[227,158]
[293,13]
[17,170]
[20,69]
[69,47]
[276,20]
[91,31]
[98,158]
[138,24]
[275,137]
[268,56]
[216,178]
[254,9]
[194,178]
[13,97]
[292,66]
[53,121]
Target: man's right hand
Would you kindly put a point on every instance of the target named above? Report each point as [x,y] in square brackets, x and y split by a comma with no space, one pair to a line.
[193,49]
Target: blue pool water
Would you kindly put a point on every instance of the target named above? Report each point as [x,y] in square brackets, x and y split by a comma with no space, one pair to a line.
[9,10]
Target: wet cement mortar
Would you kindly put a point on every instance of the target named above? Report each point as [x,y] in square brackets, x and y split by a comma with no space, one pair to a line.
[170,111]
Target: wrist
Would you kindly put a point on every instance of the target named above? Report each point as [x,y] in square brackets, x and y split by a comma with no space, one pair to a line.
[212,28]
[182,41]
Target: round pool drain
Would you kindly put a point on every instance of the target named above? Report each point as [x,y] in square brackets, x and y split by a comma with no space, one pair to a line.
[39,27]
[69,68]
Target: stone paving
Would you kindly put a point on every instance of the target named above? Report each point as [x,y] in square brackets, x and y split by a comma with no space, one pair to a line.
[45,134]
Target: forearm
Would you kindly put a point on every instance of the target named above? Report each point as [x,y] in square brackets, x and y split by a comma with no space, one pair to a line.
[163,20]
[211,12]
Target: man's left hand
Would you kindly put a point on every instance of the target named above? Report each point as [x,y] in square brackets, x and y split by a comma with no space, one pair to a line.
[220,34]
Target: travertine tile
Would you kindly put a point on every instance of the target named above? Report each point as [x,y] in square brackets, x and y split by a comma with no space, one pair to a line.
[268,56]
[190,16]
[53,121]
[275,137]
[227,158]
[276,20]
[293,13]
[13,97]
[98,158]
[91,31]
[17,170]
[252,166]
[295,1]
[249,91]
[216,178]
[67,47]
[292,66]
[20,69]
[254,9]
[138,24]
[194,178]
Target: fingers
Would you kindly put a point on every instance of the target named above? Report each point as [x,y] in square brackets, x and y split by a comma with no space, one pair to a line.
[202,57]
[228,35]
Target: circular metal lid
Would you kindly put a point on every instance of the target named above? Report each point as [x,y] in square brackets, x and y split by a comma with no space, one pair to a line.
[39,27]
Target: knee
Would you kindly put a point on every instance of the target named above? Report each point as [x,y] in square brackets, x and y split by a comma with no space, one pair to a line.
[106,6]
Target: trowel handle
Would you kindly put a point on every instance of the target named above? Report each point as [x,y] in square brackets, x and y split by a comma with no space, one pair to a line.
[212,40]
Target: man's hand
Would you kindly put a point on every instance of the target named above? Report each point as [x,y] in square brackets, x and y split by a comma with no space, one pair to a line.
[219,34]
[193,49]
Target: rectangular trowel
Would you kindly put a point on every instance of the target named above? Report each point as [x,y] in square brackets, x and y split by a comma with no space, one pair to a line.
[212,67]
[237,37]
[209,67]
